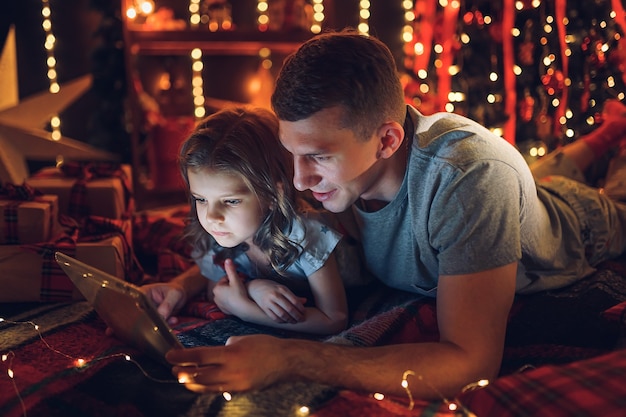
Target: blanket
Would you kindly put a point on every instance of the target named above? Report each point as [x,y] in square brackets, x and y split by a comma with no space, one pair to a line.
[564,356]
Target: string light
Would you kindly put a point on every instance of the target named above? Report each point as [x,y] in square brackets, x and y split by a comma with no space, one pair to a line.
[263,18]
[79,364]
[364,16]
[318,16]
[452,405]
[140,8]
[194,13]
[197,82]
[54,87]
[303,411]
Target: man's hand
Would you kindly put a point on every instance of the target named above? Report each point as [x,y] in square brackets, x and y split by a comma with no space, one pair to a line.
[245,362]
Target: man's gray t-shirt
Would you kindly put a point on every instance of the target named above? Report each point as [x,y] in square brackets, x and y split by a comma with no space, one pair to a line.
[469,203]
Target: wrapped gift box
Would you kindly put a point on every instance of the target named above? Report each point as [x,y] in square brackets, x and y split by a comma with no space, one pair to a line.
[21,270]
[29,272]
[106,197]
[25,222]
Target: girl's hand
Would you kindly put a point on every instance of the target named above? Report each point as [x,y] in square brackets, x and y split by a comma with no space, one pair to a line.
[277,301]
[230,292]
[168,297]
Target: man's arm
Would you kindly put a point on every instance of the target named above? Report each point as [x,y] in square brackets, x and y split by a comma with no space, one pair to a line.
[472,314]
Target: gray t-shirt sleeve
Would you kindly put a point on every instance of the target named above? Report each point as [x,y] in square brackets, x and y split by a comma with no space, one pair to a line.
[475,222]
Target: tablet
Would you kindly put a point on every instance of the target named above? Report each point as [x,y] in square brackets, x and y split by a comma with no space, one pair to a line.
[123,307]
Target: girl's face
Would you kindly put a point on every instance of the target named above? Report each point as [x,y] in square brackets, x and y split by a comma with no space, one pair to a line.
[227,209]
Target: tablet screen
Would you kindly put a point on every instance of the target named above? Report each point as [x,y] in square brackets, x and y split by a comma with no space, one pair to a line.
[123,307]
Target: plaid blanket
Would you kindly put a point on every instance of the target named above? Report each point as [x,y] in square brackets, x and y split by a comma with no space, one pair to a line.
[568,363]
[563,354]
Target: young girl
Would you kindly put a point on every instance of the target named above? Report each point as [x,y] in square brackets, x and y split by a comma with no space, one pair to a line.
[247,236]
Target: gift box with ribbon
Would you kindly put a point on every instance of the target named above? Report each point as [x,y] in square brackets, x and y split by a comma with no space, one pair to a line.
[88,188]
[30,273]
[28,216]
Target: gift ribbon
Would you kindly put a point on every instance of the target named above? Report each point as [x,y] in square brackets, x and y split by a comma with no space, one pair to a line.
[55,284]
[96,228]
[22,192]
[425,15]
[450,15]
[19,194]
[560,8]
[508,62]
[620,18]
[84,172]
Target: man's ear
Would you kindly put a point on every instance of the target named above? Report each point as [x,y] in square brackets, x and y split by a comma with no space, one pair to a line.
[391,137]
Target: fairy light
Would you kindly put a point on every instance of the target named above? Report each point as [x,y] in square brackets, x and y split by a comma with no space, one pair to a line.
[140,8]
[194,13]
[51,61]
[452,405]
[405,385]
[197,83]
[263,18]
[79,364]
[409,18]
[318,16]
[364,16]
[227,396]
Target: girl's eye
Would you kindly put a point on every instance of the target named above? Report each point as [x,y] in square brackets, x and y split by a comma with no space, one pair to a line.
[233,202]
[198,200]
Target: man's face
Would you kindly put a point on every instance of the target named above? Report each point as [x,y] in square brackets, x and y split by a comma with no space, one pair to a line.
[330,160]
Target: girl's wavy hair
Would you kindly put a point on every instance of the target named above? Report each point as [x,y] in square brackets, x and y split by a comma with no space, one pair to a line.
[244,141]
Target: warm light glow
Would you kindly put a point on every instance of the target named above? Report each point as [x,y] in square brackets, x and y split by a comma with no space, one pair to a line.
[146,7]
[227,396]
[263,18]
[51,73]
[364,15]
[194,13]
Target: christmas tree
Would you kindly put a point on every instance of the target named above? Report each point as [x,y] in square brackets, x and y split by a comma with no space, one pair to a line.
[537,72]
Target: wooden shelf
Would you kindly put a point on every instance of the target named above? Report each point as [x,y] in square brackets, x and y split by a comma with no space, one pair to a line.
[178,42]
[142,40]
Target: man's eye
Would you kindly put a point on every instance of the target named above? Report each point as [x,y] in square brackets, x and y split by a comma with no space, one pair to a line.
[321,158]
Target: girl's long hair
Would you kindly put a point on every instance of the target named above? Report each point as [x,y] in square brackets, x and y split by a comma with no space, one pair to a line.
[244,141]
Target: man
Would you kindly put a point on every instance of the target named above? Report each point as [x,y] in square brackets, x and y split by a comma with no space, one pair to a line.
[442,208]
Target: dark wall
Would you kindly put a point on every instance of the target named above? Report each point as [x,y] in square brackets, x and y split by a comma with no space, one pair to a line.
[88,40]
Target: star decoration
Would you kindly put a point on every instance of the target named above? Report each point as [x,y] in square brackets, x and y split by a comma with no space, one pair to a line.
[22,133]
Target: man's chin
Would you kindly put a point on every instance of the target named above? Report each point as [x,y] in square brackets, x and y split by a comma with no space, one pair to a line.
[335,205]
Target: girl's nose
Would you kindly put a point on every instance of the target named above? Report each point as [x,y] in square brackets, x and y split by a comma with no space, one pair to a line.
[214,215]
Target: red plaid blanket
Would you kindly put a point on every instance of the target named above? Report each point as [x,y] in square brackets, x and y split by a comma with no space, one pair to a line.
[567,344]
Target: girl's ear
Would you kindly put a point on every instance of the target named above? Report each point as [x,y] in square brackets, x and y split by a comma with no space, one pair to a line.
[391,136]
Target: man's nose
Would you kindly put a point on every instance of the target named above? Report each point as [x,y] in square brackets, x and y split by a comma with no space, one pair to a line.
[304,176]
